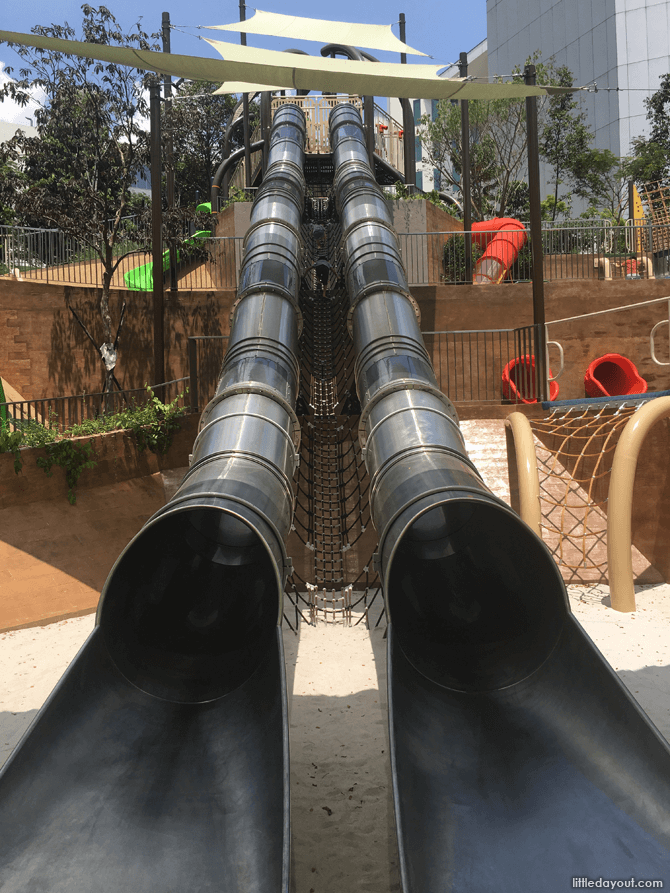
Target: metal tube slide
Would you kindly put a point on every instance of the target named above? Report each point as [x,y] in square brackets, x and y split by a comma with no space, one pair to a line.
[502,238]
[518,758]
[161,760]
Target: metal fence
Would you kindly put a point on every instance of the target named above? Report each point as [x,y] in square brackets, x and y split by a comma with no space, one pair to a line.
[205,358]
[571,249]
[470,364]
[50,256]
[61,413]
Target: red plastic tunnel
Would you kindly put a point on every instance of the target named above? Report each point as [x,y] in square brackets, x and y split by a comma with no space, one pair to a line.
[501,238]
[612,376]
[518,381]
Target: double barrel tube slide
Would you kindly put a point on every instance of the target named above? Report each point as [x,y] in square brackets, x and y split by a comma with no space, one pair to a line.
[160,761]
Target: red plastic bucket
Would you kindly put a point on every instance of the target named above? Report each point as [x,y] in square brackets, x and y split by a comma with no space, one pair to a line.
[518,381]
[613,376]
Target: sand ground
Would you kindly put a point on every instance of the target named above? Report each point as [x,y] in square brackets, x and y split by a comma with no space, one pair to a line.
[342,814]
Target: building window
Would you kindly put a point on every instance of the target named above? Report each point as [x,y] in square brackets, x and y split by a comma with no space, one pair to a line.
[437,179]
[419,179]
[417,111]
[433,110]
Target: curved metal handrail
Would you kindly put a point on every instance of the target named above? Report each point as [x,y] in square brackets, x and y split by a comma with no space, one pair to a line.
[523,474]
[619,515]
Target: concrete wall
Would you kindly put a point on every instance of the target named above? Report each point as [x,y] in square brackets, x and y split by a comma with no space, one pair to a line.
[45,353]
[451,308]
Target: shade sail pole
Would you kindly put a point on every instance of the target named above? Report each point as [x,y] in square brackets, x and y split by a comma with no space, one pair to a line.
[465,172]
[536,238]
[245,110]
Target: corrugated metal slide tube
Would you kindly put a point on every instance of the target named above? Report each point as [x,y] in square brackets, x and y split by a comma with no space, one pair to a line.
[451,555]
[193,602]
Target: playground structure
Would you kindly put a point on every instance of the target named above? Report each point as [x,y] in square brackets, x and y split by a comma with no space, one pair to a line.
[142,278]
[487,667]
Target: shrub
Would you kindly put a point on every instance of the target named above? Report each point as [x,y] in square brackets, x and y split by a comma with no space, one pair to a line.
[152,426]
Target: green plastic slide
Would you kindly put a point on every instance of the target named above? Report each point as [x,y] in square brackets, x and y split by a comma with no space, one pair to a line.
[142,279]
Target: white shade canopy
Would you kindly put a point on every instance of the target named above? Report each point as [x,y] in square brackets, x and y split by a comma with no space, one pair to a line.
[373,37]
[248,67]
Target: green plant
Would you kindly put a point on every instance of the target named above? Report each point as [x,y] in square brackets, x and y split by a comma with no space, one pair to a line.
[402,193]
[34,434]
[73,458]
[454,258]
[154,425]
[10,442]
[235,194]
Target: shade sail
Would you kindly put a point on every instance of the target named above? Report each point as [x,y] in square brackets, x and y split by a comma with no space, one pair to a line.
[242,87]
[373,37]
[252,66]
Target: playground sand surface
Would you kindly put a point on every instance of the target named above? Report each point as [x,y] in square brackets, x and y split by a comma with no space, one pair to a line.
[342,815]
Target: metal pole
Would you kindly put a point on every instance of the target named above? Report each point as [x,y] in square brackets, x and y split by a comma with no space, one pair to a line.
[465,171]
[193,373]
[156,226]
[169,147]
[266,124]
[245,111]
[369,111]
[408,143]
[536,238]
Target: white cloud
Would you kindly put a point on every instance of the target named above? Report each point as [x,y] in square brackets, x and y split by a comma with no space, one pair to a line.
[12,112]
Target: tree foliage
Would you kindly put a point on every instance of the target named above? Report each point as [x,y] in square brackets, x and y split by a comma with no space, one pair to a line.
[564,137]
[499,151]
[92,144]
[650,161]
[198,121]
[498,144]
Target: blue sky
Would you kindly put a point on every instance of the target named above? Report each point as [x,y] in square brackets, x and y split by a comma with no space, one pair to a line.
[440,29]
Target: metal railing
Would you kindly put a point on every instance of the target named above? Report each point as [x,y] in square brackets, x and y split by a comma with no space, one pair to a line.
[61,413]
[205,359]
[469,364]
[573,250]
[317,111]
[389,137]
[50,256]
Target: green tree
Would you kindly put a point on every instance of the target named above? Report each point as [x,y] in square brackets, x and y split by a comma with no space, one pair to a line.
[601,177]
[565,139]
[198,121]
[92,145]
[650,161]
[498,144]
[443,147]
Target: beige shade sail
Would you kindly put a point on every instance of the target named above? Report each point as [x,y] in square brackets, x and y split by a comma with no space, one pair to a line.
[374,37]
[250,66]
[242,87]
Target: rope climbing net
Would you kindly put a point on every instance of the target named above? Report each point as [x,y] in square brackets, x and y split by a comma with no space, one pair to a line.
[575,451]
[332,486]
